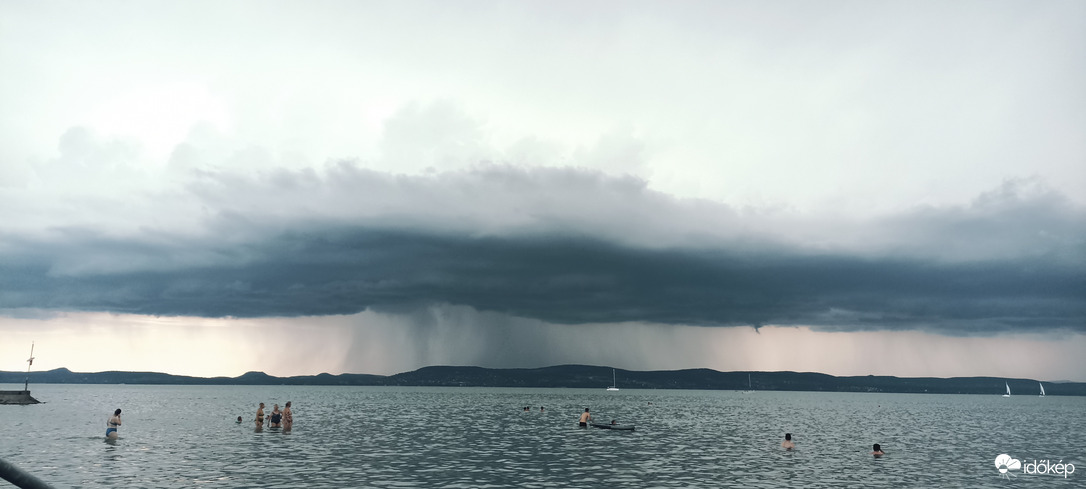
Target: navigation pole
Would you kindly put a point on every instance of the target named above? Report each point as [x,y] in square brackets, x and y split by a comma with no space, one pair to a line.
[26,382]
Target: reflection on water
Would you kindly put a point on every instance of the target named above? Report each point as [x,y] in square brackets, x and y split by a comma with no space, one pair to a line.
[181,436]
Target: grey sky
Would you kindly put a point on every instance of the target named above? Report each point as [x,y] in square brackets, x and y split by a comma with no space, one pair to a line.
[868,104]
[848,166]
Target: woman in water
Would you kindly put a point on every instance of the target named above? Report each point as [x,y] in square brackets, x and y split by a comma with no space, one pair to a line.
[260,416]
[288,417]
[276,416]
[112,424]
[876,450]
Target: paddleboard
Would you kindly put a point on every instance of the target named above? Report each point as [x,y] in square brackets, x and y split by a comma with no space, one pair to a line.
[613,426]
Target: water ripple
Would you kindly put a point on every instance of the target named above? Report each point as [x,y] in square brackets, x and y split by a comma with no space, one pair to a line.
[184,436]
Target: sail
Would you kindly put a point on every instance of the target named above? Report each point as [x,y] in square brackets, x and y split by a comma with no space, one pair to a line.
[1008,388]
[1042,389]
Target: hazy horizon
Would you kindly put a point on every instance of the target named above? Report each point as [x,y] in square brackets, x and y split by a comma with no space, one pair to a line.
[1054,381]
[525,368]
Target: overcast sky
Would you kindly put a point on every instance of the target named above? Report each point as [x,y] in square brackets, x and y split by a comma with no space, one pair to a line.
[209,188]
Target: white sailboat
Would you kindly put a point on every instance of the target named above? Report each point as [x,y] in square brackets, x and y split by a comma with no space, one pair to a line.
[1042,389]
[614,383]
[750,386]
[1008,394]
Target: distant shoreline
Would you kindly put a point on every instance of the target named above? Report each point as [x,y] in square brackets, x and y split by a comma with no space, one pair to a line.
[583,376]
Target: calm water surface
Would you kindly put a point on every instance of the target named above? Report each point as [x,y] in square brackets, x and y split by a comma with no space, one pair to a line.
[186,436]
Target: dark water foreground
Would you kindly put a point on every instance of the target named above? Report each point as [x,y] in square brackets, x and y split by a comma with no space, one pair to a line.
[186,436]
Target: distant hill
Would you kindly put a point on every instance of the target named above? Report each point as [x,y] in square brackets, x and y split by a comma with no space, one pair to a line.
[582,376]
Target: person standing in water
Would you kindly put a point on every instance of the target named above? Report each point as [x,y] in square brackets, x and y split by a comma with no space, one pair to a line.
[260,416]
[787,443]
[876,450]
[585,418]
[112,424]
[288,417]
[276,416]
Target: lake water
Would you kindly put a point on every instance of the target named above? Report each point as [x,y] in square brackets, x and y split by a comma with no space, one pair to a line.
[186,436]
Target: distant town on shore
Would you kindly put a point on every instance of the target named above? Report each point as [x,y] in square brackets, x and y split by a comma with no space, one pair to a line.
[583,376]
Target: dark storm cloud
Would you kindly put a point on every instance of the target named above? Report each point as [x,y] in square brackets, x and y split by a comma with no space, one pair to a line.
[560,245]
[338,269]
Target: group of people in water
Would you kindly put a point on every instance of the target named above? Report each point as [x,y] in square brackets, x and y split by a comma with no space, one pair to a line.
[285,419]
[277,419]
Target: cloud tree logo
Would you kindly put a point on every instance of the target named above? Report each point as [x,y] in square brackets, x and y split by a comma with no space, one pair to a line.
[1004,463]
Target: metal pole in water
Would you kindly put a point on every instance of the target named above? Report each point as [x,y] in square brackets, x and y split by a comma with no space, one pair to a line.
[26,381]
[21,479]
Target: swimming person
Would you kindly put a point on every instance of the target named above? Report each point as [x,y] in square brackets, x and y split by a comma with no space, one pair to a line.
[585,418]
[260,416]
[276,416]
[876,450]
[112,424]
[787,443]
[288,417]
[239,420]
